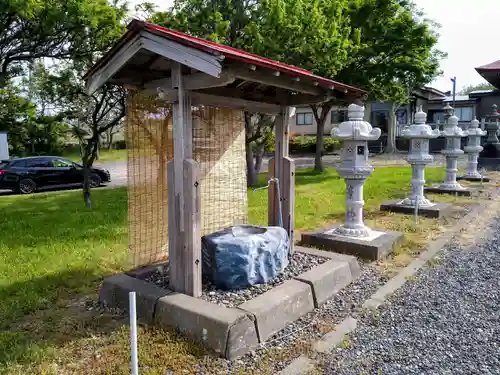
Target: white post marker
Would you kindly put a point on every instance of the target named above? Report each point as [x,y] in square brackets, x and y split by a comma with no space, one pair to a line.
[133,333]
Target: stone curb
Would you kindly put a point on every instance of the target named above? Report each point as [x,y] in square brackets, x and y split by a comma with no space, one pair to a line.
[302,366]
[232,332]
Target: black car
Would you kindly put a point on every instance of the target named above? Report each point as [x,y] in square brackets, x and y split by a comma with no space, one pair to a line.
[27,175]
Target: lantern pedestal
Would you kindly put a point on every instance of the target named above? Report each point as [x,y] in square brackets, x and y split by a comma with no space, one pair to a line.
[475,179]
[419,135]
[436,210]
[376,246]
[353,236]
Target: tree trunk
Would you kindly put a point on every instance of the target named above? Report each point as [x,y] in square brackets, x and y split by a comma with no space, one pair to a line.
[391,131]
[259,158]
[110,140]
[87,196]
[318,158]
[320,114]
[251,174]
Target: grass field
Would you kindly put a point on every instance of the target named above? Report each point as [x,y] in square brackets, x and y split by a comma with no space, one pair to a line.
[54,253]
[104,156]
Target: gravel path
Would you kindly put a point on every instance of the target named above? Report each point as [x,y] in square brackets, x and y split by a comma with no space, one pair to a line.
[444,321]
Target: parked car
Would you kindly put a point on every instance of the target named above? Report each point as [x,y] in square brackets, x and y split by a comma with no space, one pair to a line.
[27,175]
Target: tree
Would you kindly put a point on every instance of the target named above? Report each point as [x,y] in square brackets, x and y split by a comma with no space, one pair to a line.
[480,86]
[313,35]
[259,138]
[16,112]
[397,53]
[90,116]
[58,29]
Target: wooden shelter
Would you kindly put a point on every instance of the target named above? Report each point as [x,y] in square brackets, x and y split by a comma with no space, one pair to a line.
[190,72]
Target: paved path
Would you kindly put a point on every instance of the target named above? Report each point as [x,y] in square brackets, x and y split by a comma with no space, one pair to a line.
[446,321]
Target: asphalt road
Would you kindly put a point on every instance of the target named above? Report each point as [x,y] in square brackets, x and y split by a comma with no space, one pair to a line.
[118,169]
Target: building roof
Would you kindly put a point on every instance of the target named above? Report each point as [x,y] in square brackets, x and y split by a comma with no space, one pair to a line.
[491,66]
[225,52]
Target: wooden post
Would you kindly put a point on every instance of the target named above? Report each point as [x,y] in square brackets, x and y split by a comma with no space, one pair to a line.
[192,233]
[282,167]
[184,228]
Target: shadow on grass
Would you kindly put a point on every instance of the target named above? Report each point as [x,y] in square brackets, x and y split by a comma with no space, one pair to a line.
[73,319]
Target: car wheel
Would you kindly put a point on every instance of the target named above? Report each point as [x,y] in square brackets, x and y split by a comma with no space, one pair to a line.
[26,186]
[95,180]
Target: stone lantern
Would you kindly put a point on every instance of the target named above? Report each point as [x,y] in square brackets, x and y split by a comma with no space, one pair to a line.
[473,149]
[419,135]
[489,158]
[354,168]
[452,151]
[353,236]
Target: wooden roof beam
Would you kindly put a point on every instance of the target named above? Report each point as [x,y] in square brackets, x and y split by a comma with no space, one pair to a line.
[198,98]
[284,82]
[194,81]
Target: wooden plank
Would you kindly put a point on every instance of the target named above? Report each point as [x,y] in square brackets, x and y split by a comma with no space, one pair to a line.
[272,202]
[285,82]
[188,126]
[99,78]
[179,147]
[174,249]
[220,101]
[194,58]
[287,187]
[195,81]
[192,235]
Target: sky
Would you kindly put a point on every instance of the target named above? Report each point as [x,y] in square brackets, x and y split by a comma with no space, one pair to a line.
[469,30]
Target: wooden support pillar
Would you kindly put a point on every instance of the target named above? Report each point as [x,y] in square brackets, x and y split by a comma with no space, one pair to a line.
[283,168]
[184,219]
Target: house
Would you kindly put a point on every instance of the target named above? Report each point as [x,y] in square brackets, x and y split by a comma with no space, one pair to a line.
[477,104]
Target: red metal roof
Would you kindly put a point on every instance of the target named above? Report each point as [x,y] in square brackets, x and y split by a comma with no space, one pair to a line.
[492,66]
[216,48]
[236,54]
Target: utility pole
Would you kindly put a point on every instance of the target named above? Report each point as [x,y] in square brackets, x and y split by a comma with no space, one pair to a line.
[454,80]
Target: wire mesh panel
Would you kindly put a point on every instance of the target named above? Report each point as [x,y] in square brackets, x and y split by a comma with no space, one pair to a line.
[150,147]
[219,148]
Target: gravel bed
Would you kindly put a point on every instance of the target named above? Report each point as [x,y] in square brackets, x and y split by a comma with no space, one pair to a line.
[299,263]
[310,327]
[446,320]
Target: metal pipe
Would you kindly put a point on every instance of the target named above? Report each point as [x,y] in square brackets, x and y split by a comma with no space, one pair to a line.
[133,333]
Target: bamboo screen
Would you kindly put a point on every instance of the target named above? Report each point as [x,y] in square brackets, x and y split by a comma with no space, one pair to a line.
[219,148]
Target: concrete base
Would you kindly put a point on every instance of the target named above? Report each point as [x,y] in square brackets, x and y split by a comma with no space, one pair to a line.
[473,179]
[437,190]
[374,249]
[232,332]
[438,210]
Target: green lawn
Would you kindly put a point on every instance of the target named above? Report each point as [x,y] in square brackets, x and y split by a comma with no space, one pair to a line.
[52,249]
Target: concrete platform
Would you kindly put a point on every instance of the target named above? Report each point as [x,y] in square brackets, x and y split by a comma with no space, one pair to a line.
[460,192]
[371,248]
[473,179]
[232,332]
[438,210]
